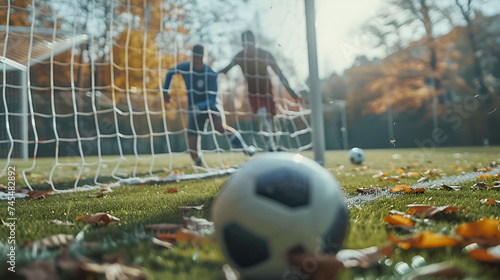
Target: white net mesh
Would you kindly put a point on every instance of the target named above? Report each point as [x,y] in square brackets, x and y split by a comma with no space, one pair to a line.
[83,85]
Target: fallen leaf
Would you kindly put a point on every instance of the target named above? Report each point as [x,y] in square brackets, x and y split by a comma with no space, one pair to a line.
[364,258]
[98,218]
[451,188]
[186,235]
[53,241]
[423,179]
[400,188]
[490,201]
[480,185]
[490,255]
[171,190]
[38,194]
[426,239]
[398,218]
[162,243]
[199,225]
[484,176]
[367,190]
[484,232]
[185,208]
[428,211]
[405,188]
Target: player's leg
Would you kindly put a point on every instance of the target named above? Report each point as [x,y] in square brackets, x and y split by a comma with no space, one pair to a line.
[219,123]
[266,126]
[194,126]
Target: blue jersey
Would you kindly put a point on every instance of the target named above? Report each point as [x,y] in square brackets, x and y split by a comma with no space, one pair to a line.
[201,85]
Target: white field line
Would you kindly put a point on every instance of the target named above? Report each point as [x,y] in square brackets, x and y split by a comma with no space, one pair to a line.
[361,199]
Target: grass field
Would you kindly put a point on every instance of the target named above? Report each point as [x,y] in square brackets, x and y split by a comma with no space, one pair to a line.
[137,206]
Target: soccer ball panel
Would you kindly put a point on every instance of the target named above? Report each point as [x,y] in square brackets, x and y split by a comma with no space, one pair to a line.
[243,246]
[287,186]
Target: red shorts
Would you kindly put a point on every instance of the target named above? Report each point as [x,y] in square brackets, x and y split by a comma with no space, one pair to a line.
[263,101]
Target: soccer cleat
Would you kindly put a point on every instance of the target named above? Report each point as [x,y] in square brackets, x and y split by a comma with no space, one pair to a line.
[250,150]
[198,162]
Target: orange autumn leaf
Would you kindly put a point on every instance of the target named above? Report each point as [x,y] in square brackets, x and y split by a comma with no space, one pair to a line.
[483,232]
[38,194]
[490,201]
[171,190]
[428,211]
[400,188]
[489,255]
[396,218]
[484,176]
[183,235]
[426,239]
[405,188]
[98,218]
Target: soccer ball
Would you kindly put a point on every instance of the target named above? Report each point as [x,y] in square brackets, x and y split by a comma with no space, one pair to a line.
[272,204]
[356,155]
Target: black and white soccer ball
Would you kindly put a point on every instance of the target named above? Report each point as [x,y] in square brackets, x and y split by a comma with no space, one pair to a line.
[274,203]
[356,155]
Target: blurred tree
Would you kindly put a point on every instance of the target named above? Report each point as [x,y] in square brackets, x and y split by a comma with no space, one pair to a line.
[17,13]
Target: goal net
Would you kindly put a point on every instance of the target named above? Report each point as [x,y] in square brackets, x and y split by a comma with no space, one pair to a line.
[83,89]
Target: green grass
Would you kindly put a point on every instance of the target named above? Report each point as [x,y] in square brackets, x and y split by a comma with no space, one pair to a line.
[140,205]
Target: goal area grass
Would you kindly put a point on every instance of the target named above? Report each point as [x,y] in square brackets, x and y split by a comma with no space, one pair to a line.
[137,206]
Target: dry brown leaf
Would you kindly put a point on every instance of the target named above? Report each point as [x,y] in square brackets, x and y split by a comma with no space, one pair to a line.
[480,185]
[367,190]
[405,188]
[397,218]
[38,194]
[53,241]
[490,255]
[484,232]
[490,201]
[426,239]
[364,258]
[102,219]
[171,190]
[429,211]
[451,188]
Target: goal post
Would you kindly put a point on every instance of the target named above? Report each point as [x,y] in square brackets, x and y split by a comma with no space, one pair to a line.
[91,96]
[318,133]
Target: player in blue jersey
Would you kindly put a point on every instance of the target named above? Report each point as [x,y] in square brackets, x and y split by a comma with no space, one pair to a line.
[201,86]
